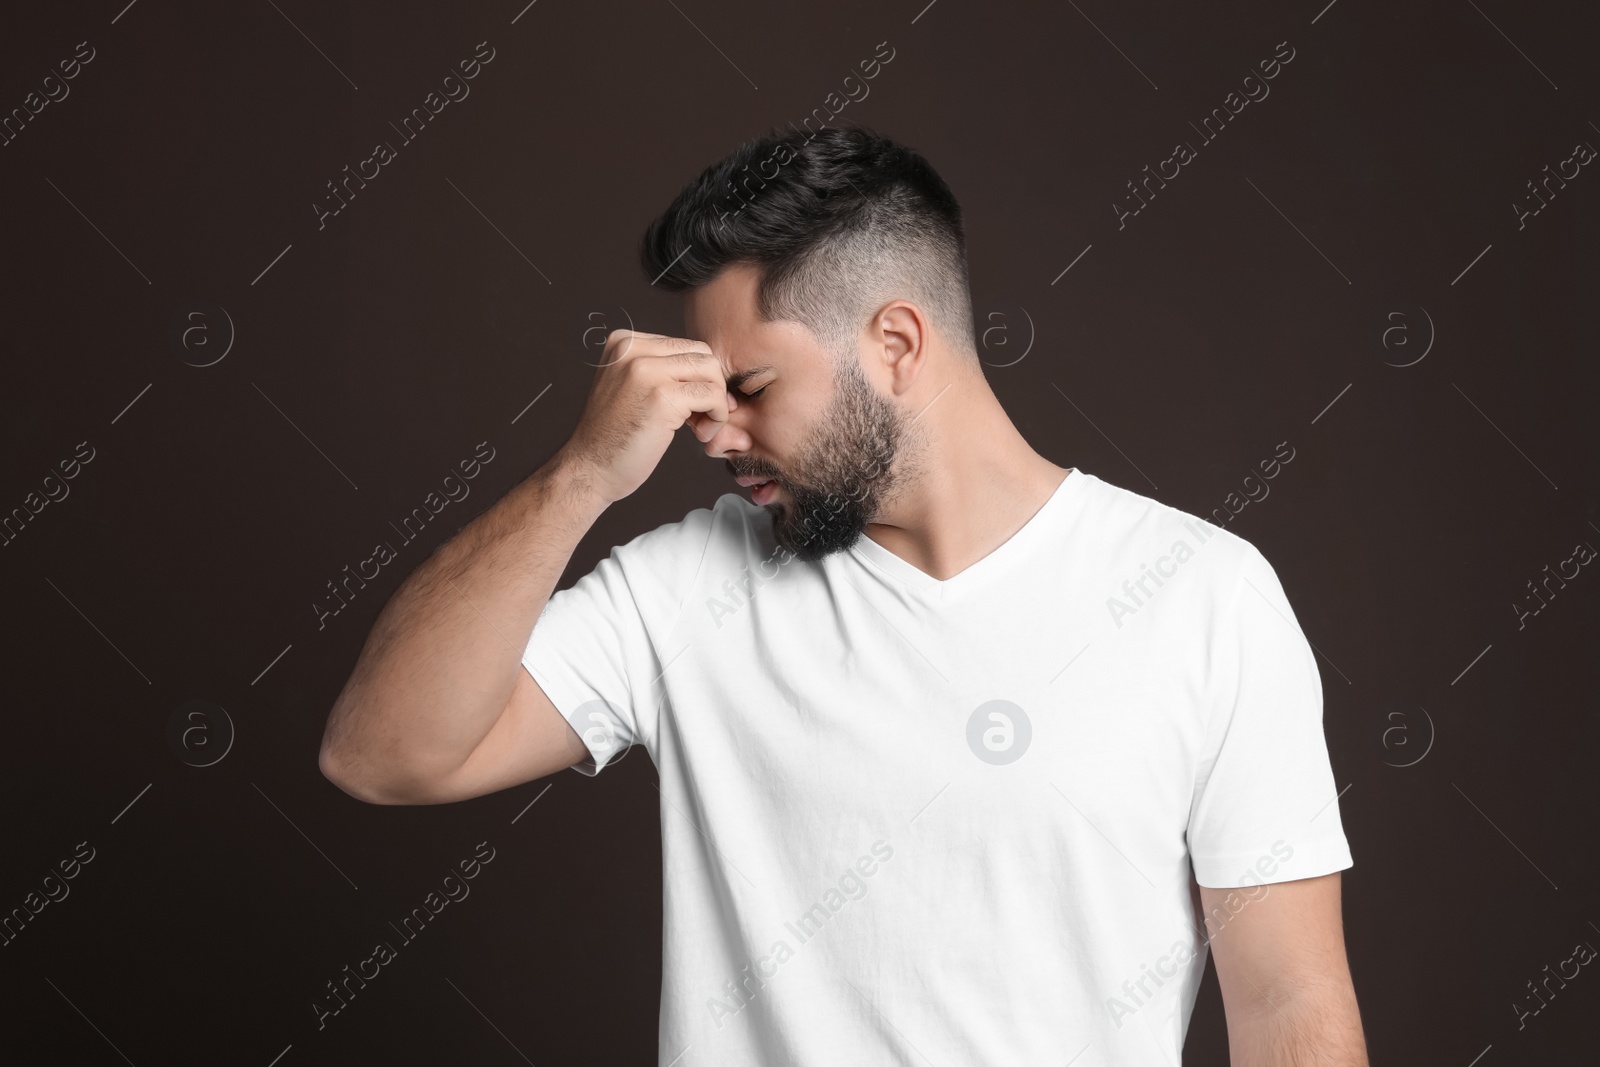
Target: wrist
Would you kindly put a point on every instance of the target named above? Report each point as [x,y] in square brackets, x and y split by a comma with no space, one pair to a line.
[576,480]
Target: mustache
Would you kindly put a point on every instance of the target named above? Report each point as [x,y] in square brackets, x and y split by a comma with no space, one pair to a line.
[753,471]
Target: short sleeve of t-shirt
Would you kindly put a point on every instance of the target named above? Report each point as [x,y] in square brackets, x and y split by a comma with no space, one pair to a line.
[592,649]
[1265,807]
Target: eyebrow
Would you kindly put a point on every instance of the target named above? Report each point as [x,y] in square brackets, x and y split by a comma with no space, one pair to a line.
[743,376]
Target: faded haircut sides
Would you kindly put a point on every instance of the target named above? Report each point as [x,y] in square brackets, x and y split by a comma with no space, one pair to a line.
[839,221]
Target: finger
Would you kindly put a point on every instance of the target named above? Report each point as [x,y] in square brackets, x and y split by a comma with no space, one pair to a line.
[703,405]
[688,352]
[624,343]
[620,345]
[697,364]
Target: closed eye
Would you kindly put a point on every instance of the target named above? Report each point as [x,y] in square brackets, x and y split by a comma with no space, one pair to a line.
[752,396]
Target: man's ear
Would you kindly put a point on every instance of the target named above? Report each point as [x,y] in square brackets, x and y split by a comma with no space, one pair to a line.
[898,336]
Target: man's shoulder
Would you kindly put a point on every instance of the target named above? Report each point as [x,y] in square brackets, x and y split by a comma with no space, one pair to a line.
[1128,513]
[671,556]
[728,521]
[1143,530]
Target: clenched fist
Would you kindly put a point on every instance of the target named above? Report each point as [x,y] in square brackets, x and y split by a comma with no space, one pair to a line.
[648,385]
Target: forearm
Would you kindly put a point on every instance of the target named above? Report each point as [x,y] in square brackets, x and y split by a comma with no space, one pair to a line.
[1306,1029]
[440,663]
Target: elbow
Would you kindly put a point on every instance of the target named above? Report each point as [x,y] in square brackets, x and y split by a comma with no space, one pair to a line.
[368,787]
[351,772]
[334,771]
[338,771]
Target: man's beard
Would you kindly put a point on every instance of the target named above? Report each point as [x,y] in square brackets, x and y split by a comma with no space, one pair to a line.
[838,483]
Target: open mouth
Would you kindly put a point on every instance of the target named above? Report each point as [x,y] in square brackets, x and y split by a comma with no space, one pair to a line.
[761,489]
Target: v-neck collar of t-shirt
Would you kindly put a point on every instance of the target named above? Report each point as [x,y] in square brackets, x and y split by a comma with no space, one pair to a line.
[1066,498]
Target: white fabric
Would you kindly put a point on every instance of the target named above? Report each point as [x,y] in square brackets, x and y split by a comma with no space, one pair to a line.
[851,875]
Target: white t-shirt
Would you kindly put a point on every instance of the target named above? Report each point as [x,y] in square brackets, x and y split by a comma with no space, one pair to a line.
[907,820]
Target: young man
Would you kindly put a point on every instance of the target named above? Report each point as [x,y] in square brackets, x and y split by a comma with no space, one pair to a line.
[979,787]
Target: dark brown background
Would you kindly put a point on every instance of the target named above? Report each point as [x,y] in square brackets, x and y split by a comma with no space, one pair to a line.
[373,355]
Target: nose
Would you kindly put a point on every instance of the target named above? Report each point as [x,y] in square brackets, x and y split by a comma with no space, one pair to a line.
[731,436]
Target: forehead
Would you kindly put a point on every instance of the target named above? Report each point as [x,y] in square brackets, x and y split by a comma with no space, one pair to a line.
[723,314]
[723,311]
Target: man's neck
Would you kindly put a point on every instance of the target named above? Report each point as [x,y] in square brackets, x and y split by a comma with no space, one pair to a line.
[964,501]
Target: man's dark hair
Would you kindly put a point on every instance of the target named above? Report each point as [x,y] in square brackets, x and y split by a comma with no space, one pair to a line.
[839,221]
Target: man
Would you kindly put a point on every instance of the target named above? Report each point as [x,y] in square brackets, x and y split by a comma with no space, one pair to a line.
[982,786]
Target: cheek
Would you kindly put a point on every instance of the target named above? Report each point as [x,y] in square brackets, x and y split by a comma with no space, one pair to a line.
[792,437]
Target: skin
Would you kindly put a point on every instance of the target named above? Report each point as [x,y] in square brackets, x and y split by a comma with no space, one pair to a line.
[843,471]
[905,398]
[1285,978]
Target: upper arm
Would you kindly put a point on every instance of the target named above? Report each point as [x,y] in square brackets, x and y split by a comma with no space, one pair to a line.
[1275,942]
[529,740]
